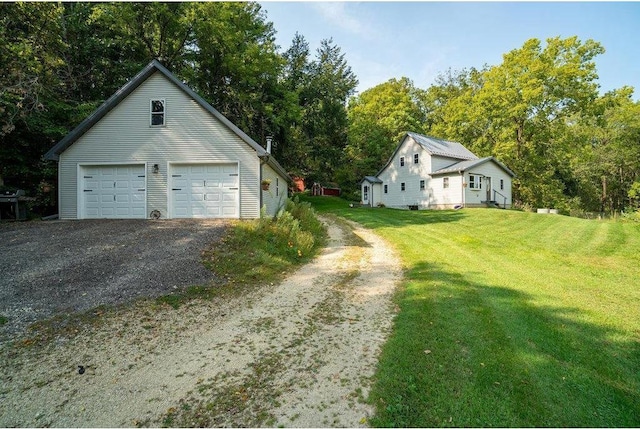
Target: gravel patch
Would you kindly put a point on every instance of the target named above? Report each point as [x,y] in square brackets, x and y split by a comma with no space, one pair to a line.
[300,353]
[61,267]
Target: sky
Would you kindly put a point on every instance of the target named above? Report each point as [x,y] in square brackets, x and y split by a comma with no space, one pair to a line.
[420,40]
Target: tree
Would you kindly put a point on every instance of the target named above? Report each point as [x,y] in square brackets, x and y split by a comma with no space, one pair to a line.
[331,83]
[519,110]
[378,118]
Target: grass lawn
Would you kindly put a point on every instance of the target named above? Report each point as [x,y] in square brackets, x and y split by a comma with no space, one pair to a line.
[508,319]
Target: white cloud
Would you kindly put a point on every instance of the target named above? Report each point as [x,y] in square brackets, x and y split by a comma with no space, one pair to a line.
[338,15]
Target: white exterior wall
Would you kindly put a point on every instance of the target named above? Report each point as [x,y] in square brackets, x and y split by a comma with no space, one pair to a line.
[447,198]
[190,134]
[374,196]
[275,198]
[411,174]
[488,169]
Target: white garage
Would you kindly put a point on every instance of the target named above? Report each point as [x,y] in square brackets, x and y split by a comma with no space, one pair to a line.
[113,191]
[205,191]
[156,149]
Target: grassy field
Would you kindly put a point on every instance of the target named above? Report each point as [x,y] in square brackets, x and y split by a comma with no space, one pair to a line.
[508,319]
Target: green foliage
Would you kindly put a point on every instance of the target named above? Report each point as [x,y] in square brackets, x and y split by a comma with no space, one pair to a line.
[540,113]
[378,119]
[260,251]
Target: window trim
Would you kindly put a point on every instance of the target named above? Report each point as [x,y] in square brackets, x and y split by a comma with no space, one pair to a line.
[502,184]
[416,158]
[402,161]
[423,185]
[474,184]
[163,113]
[386,189]
[403,187]
[445,183]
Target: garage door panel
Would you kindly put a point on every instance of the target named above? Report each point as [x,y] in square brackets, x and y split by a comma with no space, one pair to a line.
[114,191]
[197,192]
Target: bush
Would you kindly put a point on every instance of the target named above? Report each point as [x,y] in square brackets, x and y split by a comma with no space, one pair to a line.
[262,250]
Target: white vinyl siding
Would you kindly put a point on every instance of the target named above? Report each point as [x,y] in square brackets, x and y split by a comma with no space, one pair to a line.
[275,198]
[191,134]
[489,169]
[449,197]
[410,174]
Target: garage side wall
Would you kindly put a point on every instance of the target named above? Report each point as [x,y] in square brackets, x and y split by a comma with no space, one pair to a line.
[190,135]
[274,198]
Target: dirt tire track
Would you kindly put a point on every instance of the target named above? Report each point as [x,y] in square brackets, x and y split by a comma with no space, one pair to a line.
[299,354]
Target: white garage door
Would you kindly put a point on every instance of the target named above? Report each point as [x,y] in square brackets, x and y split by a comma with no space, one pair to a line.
[113,191]
[205,191]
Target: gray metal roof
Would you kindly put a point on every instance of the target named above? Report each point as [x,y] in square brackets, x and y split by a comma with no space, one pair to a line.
[128,88]
[443,147]
[435,147]
[371,179]
[462,166]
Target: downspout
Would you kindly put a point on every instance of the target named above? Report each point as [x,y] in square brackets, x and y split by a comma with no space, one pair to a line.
[263,160]
[462,186]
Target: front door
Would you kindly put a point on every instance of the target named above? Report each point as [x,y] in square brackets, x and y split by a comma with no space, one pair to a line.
[487,183]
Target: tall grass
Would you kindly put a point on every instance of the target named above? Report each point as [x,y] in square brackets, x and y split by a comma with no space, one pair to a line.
[260,251]
[509,319]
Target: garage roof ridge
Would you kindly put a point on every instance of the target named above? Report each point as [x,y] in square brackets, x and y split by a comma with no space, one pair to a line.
[128,88]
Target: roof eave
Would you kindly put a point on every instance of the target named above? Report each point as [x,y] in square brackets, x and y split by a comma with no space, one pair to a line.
[128,88]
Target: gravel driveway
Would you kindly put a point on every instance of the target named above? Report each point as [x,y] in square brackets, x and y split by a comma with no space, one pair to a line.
[57,267]
[300,353]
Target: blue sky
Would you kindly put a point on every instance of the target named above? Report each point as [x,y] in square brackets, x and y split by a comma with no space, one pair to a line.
[419,40]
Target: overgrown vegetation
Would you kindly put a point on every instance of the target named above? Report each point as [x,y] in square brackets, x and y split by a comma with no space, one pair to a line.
[257,252]
[263,250]
[508,319]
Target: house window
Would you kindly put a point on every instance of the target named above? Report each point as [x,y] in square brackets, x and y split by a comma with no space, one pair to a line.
[475,181]
[277,188]
[385,189]
[422,185]
[402,187]
[502,184]
[402,161]
[445,182]
[415,158]
[157,113]
[365,193]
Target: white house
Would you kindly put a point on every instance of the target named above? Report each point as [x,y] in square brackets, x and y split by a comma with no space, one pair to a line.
[157,149]
[429,173]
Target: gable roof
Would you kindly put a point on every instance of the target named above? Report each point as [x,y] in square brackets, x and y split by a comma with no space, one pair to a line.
[466,165]
[433,146]
[371,179]
[151,68]
[442,147]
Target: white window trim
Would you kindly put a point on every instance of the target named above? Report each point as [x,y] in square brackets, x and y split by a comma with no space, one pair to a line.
[151,112]
[416,158]
[403,187]
[423,184]
[445,183]
[402,161]
[475,184]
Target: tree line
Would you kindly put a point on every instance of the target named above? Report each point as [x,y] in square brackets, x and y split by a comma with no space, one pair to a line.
[539,111]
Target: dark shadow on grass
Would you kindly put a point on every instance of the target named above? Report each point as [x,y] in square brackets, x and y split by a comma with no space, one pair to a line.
[470,354]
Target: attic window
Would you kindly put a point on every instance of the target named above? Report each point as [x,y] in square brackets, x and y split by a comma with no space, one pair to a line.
[157,112]
[415,158]
[402,161]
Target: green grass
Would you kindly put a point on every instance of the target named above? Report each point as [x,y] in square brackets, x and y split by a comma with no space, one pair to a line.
[529,320]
